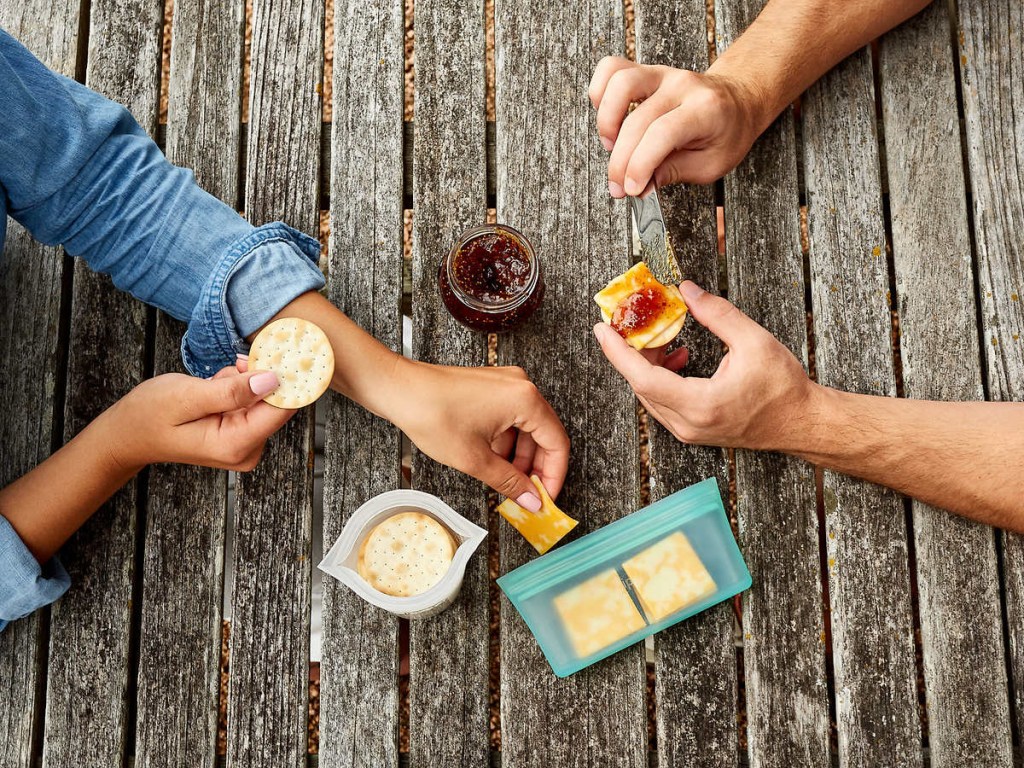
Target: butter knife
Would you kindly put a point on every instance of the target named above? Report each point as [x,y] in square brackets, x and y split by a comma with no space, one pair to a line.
[650,240]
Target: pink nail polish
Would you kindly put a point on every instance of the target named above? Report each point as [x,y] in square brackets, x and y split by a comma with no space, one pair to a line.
[240,356]
[529,501]
[263,383]
[607,144]
[615,190]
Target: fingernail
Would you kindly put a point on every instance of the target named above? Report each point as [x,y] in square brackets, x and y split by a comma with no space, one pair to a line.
[607,144]
[263,383]
[240,356]
[601,331]
[615,189]
[691,291]
[633,187]
[529,501]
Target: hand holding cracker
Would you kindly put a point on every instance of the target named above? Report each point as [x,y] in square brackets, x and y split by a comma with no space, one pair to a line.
[222,422]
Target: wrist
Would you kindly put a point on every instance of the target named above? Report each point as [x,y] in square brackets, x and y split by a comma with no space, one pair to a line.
[115,441]
[394,396]
[754,104]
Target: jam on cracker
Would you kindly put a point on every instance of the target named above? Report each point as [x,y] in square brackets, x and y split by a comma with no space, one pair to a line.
[491,280]
[638,311]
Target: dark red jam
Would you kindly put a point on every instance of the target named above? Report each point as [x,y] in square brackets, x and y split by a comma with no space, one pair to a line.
[491,280]
[638,311]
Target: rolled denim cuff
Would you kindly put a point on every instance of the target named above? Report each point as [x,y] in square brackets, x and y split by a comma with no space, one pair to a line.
[255,279]
[25,585]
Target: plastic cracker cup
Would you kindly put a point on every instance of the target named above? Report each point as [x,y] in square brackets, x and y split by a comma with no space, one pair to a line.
[340,561]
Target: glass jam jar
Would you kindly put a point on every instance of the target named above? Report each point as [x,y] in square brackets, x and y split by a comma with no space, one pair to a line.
[490,281]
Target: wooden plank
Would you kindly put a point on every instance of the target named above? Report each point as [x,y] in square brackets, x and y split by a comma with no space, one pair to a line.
[359,662]
[783,632]
[552,184]
[448,652]
[31,305]
[992,79]
[695,662]
[958,583]
[183,556]
[90,631]
[873,651]
[268,691]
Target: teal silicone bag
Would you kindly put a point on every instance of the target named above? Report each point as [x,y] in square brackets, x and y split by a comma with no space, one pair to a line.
[696,512]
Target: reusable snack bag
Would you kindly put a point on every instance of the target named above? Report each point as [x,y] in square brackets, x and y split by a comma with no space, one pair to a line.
[630,579]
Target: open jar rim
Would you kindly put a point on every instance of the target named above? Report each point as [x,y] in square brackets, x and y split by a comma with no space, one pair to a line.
[498,306]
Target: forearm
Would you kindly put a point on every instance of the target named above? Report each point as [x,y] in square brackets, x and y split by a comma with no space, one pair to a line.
[794,42]
[960,456]
[52,501]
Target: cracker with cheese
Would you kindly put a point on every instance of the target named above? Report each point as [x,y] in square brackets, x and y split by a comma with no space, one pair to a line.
[668,576]
[597,613]
[406,554]
[643,311]
[300,354]
[544,528]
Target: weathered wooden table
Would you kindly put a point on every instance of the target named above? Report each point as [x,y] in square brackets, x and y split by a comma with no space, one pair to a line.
[125,667]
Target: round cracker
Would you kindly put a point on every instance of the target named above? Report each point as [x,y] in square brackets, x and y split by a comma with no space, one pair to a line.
[301,356]
[406,554]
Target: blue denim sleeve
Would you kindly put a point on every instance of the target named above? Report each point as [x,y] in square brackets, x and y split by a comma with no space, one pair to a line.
[76,169]
[25,585]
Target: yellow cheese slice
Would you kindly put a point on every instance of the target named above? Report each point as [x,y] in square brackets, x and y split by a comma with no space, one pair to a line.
[544,528]
[597,613]
[670,315]
[668,577]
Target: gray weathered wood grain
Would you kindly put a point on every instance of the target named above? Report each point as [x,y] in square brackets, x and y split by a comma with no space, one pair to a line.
[695,662]
[30,310]
[992,84]
[552,185]
[183,554]
[88,678]
[268,693]
[359,662]
[873,653]
[783,631]
[449,652]
[961,626]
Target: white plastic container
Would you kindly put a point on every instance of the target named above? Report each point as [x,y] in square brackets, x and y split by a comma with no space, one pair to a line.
[340,560]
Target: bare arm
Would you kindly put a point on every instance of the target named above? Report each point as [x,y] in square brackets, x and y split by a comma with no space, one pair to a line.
[960,456]
[964,457]
[491,423]
[696,127]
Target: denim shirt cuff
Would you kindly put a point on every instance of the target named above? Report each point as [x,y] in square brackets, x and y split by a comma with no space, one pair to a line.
[25,585]
[257,276]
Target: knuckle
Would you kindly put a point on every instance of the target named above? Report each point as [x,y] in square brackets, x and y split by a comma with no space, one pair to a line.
[507,485]
[515,372]
[235,452]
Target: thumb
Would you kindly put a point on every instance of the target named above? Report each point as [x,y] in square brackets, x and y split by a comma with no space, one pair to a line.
[718,315]
[509,481]
[227,394]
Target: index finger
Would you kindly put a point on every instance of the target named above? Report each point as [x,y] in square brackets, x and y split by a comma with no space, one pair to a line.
[603,72]
[263,419]
[551,460]
[650,381]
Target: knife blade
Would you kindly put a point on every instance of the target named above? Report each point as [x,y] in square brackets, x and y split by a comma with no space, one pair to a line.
[650,239]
